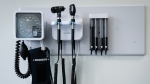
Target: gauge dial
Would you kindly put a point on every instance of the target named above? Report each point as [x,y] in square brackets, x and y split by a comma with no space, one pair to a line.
[27,23]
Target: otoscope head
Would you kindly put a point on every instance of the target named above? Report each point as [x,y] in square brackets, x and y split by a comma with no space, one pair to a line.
[72,10]
[57,9]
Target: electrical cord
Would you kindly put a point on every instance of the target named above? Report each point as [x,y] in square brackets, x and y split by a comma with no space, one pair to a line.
[17,58]
[76,55]
[56,64]
[63,66]
[73,74]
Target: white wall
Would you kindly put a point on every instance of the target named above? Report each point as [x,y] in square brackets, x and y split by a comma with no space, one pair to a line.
[90,70]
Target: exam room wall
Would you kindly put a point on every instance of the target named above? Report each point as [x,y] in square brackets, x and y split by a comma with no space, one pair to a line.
[90,69]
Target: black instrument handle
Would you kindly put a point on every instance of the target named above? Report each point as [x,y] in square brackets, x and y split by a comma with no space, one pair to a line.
[91,34]
[55,73]
[63,71]
[73,71]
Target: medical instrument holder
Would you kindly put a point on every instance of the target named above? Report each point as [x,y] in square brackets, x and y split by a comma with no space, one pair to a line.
[66,27]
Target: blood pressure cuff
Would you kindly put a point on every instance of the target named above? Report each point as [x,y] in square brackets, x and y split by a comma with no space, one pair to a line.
[40,66]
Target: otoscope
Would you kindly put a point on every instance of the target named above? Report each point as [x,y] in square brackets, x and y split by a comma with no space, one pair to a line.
[72,13]
[58,10]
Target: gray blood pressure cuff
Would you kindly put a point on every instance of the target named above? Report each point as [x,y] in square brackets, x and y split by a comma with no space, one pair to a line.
[40,66]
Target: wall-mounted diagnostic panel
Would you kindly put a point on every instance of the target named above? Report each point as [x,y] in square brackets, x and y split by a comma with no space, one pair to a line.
[120,30]
[107,30]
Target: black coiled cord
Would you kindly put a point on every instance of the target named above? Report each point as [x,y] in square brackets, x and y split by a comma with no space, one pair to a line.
[17,70]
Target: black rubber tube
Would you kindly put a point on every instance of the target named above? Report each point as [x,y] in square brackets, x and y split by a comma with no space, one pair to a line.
[17,70]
